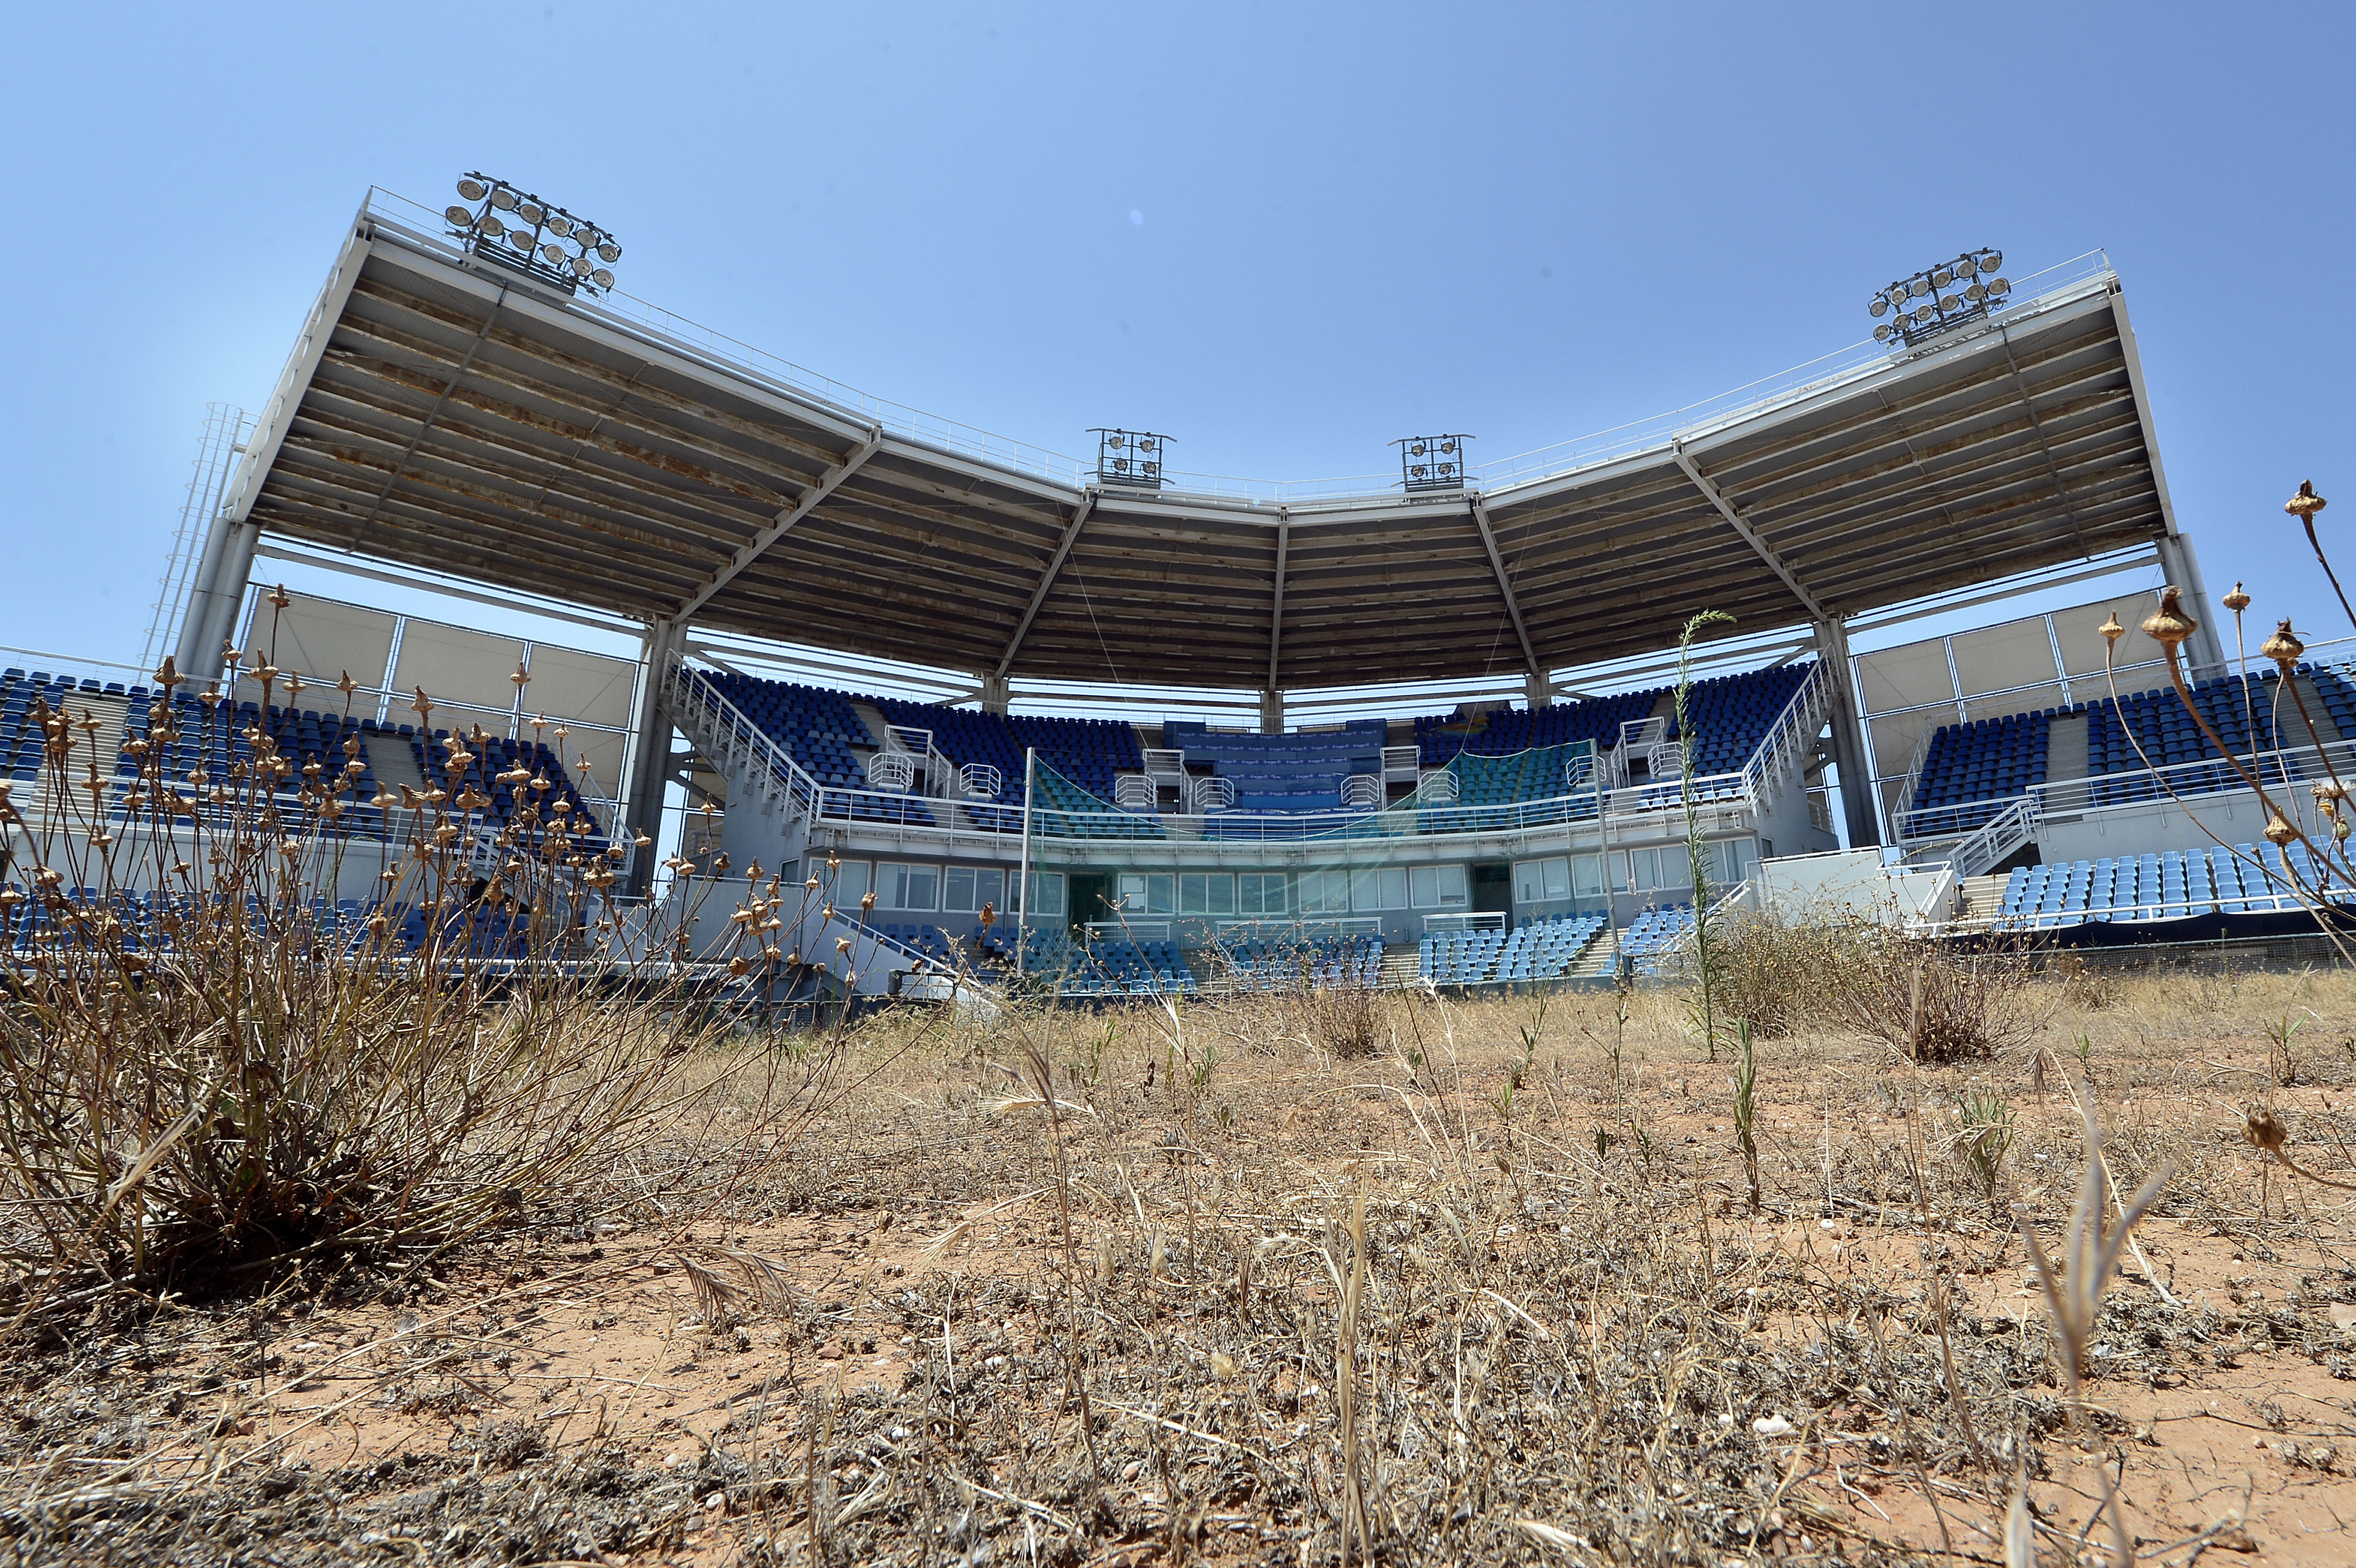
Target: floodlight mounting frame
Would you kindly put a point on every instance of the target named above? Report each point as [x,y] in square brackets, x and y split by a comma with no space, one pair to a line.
[1947,310]
[1132,459]
[585,237]
[1428,462]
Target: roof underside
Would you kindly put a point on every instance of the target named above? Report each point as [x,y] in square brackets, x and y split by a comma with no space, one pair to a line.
[531,444]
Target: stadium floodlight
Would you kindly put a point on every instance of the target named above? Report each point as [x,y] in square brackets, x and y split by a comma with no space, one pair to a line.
[1130,457]
[1949,295]
[1431,462]
[531,234]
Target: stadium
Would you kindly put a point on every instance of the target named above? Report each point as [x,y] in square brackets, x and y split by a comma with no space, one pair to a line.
[1122,729]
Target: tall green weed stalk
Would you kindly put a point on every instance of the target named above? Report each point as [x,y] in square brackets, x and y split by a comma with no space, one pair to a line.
[1707,1008]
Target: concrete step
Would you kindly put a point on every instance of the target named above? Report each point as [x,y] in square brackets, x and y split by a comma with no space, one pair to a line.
[877,725]
[2324,727]
[1401,966]
[2065,748]
[394,761]
[1984,896]
[1597,960]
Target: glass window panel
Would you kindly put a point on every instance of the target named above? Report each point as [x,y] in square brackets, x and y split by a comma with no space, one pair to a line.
[909,887]
[1390,887]
[1046,894]
[957,889]
[1454,890]
[1160,894]
[845,884]
[1558,878]
[1262,892]
[989,889]
[1423,887]
[1587,876]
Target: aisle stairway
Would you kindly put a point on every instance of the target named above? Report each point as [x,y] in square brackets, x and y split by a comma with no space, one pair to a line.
[1983,897]
[1400,966]
[1598,961]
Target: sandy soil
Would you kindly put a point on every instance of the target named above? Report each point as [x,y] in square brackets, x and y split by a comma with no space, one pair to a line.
[1572,1339]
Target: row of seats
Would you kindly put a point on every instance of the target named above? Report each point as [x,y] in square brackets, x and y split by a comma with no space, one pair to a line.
[1299,770]
[21,737]
[1996,759]
[817,727]
[2246,879]
[1535,951]
[1654,934]
[1500,731]
[1088,752]
[1266,963]
[1542,772]
[1731,714]
[489,757]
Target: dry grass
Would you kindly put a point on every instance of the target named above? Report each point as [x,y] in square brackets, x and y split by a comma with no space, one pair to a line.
[1097,1288]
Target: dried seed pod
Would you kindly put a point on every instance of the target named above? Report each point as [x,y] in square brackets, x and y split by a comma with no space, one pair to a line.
[2340,827]
[2306,503]
[2111,629]
[2284,648]
[2169,625]
[2280,833]
[2237,600]
[2265,1129]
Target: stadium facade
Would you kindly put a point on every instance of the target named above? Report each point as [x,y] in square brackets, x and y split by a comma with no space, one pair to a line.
[1430,727]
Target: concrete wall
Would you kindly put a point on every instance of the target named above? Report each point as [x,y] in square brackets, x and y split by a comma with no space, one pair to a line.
[2235,817]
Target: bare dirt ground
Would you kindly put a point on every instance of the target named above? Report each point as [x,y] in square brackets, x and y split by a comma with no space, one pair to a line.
[1145,1324]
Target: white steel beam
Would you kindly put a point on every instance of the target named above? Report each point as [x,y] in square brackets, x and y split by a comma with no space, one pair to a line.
[1504,586]
[1046,581]
[781,525]
[1750,536]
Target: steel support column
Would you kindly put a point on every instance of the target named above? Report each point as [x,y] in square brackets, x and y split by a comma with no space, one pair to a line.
[1271,712]
[1858,808]
[650,759]
[2207,651]
[995,692]
[213,600]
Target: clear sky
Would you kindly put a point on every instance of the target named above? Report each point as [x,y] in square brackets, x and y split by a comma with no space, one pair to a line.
[1283,233]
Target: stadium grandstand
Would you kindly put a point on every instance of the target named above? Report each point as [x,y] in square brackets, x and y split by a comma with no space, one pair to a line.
[1129,731]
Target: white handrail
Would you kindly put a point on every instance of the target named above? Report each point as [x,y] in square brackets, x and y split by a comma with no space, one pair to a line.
[737,736]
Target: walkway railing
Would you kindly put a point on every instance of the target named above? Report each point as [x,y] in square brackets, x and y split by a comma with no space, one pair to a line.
[733,741]
[2289,769]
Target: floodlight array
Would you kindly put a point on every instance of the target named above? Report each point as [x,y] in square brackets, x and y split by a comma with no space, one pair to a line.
[518,230]
[1939,297]
[1130,457]
[1431,462]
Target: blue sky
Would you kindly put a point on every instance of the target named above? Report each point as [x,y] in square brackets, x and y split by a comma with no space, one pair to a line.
[1285,234]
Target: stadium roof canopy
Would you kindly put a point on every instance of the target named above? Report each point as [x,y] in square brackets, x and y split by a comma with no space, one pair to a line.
[443,414]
